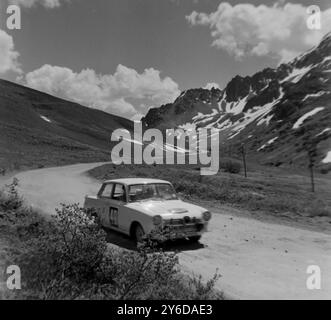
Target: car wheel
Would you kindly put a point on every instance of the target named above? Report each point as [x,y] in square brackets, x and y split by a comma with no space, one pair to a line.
[139,233]
[92,213]
[194,239]
[96,217]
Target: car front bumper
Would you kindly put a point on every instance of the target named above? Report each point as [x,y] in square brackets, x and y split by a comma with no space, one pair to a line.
[178,231]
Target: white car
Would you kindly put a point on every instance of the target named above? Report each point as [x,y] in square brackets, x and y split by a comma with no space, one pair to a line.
[139,206]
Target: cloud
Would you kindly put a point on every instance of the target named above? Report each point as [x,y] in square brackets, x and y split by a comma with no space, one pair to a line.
[279,30]
[8,55]
[115,93]
[30,3]
[211,85]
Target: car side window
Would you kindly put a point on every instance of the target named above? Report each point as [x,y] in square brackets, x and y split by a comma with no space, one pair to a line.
[106,192]
[119,193]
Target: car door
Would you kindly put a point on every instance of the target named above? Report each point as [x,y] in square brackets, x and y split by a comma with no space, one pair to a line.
[116,204]
[104,197]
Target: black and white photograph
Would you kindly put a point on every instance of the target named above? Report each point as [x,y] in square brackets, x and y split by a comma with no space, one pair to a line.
[175,151]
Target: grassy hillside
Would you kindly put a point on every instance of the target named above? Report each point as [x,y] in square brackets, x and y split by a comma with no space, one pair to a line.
[37,130]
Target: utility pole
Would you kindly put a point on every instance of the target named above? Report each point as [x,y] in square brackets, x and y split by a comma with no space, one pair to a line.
[310,146]
[312,154]
[243,153]
[311,166]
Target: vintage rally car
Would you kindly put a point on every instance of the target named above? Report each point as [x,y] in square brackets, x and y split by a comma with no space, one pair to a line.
[139,207]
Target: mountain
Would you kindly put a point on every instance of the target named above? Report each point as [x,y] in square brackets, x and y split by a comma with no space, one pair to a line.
[37,129]
[275,113]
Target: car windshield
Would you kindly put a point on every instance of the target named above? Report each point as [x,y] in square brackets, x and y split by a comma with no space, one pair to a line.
[152,191]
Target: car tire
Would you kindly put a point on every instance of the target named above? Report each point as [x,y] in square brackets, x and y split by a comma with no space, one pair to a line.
[93,214]
[194,239]
[138,233]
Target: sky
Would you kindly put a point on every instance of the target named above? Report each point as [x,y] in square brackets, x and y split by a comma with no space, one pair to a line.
[125,56]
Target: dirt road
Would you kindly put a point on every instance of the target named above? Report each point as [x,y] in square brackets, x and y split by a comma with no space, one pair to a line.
[257,260]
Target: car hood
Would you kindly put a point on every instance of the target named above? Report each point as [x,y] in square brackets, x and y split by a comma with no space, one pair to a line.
[168,209]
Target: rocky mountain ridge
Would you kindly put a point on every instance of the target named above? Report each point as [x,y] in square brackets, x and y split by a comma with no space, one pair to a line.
[273,113]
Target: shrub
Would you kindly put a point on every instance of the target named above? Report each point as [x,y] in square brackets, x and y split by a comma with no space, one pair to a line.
[318,208]
[320,212]
[17,220]
[9,197]
[67,252]
[70,259]
[231,166]
[325,169]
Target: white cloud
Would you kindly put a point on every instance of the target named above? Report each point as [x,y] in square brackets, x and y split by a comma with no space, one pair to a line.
[211,85]
[245,29]
[111,93]
[30,3]
[121,107]
[8,55]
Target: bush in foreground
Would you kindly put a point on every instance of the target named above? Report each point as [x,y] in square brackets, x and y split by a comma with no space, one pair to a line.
[70,259]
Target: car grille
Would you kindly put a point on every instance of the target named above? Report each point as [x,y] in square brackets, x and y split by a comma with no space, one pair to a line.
[182,221]
[185,224]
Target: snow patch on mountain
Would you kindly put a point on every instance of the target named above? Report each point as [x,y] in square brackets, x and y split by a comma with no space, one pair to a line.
[326,59]
[327,159]
[45,119]
[297,73]
[314,95]
[255,114]
[268,143]
[265,120]
[202,118]
[300,121]
[239,106]
[323,131]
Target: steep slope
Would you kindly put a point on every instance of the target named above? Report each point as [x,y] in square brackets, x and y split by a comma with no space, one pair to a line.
[37,129]
[274,113]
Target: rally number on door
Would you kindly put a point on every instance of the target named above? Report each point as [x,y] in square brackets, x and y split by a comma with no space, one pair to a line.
[113,217]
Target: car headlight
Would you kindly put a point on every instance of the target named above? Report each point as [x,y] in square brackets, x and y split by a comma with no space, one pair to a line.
[157,220]
[206,216]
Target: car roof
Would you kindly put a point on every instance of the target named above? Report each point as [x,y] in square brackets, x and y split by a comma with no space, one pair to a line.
[130,181]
